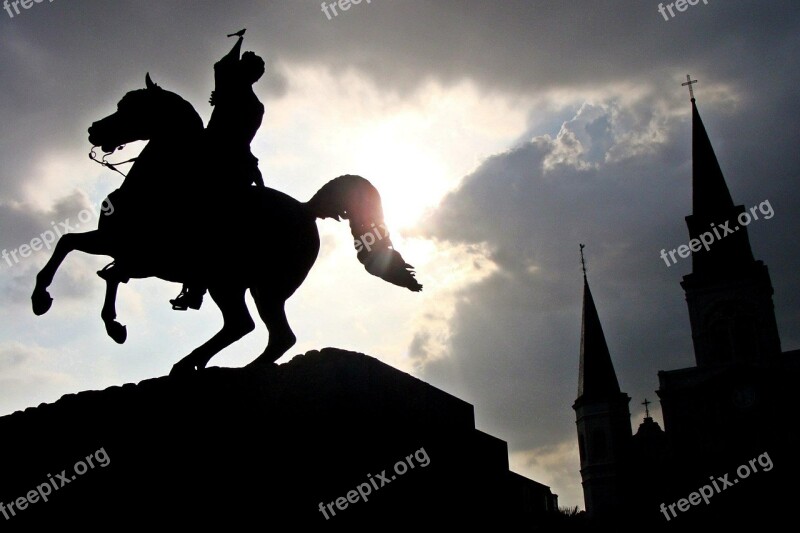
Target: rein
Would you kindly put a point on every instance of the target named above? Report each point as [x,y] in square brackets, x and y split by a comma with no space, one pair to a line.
[112,166]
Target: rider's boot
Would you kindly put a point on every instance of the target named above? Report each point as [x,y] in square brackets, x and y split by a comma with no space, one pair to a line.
[190,297]
[112,272]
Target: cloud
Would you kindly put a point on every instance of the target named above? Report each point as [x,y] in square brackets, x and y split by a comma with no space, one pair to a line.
[555,466]
[448,269]
[29,238]
[26,372]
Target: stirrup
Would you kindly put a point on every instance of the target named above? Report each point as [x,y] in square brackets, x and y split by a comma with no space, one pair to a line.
[185,301]
[110,273]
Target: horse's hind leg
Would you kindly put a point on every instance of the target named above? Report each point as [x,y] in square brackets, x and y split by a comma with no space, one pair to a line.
[238,323]
[281,337]
[115,330]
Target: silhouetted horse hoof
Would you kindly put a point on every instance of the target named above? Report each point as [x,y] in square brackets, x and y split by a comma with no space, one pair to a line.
[184,368]
[117,331]
[41,301]
[261,363]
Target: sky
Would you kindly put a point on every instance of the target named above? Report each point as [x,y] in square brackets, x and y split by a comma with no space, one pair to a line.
[500,136]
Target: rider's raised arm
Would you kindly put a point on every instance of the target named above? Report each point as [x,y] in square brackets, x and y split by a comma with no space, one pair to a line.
[235,53]
[225,72]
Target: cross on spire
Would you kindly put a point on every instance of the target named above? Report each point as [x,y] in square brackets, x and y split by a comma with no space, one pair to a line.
[689,82]
[646,409]
[583,261]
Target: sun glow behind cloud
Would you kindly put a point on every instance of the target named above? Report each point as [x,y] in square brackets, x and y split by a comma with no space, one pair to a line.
[414,149]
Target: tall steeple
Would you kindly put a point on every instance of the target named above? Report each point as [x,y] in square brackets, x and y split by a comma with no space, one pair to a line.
[713,211]
[710,192]
[729,293]
[602,417]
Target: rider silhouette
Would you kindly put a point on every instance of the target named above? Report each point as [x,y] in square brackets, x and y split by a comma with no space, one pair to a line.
[234,122]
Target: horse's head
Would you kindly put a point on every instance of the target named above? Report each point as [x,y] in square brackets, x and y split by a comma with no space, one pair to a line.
[142,115]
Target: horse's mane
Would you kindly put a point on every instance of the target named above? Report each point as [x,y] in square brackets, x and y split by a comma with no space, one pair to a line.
[178,109]
[187,110]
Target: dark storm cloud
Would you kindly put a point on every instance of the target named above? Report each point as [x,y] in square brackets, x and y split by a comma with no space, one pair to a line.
[534,45]
[524,44]
[65,64]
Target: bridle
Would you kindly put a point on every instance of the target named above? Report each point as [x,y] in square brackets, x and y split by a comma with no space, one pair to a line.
[112,166]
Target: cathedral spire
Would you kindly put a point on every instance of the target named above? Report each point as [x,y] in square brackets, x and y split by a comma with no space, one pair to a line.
[710,192]
[597,379]
[729,293]
[712,210]
[602,418]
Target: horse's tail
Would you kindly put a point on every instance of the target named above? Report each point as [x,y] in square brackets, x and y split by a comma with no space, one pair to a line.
[356,199]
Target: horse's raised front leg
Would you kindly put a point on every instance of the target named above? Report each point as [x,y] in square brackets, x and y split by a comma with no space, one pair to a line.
[91,242]
[238,323]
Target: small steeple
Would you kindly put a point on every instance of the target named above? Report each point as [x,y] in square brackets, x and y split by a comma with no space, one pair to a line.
[597,379]
[602,417]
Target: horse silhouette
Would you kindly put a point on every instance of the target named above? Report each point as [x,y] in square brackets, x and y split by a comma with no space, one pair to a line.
[174,221]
